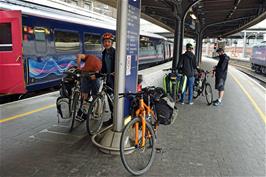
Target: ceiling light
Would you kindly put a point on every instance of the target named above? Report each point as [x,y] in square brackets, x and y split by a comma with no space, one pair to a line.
[193,16]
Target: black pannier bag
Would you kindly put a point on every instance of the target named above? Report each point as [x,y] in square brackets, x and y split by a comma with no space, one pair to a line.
[166,110]
[63,102]
[63,108]
[68,82]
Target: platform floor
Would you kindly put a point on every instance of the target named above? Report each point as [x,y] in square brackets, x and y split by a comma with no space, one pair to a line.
[204,141]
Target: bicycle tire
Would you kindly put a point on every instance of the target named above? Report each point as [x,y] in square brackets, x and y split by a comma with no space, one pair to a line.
[89,123]
[74,110]
[124,152]
[195,92]
[208,92]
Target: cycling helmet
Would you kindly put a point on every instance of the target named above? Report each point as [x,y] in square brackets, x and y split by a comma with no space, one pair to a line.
[108,36]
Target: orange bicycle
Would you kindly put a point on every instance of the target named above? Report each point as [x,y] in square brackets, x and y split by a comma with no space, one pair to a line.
[137,144]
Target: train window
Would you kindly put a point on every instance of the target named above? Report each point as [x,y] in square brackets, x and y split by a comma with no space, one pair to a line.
[5,37]
[67,41]
[40,40]
[39,34]
[92,42]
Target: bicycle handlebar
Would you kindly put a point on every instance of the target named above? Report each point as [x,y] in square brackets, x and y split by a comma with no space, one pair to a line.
[169,69]
[145,90]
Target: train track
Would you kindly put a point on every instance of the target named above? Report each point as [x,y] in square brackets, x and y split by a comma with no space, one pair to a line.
[245,68]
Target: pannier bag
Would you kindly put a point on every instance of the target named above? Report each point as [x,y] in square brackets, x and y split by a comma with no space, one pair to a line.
[166,110]
[63,107]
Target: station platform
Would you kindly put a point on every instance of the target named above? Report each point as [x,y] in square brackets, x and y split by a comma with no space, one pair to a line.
[228,140]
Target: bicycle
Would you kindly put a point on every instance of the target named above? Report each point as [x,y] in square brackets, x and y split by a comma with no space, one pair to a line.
[99,105]
[139,135]
[77,100]
[202,86]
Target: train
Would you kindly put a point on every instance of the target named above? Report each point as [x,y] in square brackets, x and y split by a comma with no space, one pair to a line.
[40,40]
[258,58]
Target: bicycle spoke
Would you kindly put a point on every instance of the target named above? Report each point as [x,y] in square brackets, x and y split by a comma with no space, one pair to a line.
[95,115]
[138,160]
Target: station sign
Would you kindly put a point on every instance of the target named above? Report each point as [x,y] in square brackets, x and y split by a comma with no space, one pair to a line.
[132,53]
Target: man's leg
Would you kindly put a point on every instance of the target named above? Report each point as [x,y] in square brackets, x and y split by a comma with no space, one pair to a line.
[190,89]
[220,88]
[221,94]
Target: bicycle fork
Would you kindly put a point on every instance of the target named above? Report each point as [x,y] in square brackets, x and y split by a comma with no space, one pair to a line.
[143,131]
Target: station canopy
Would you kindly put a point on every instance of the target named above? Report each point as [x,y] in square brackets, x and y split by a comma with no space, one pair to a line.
[218,18]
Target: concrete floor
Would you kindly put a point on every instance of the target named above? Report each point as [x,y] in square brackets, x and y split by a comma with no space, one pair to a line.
[204,141]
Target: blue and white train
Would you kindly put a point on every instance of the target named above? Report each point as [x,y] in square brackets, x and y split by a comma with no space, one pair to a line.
[40,40]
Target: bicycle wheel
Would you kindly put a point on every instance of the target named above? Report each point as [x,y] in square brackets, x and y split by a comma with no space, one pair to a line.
[136,159]
[75,108]
[208,94]
[195,92]
[95,115]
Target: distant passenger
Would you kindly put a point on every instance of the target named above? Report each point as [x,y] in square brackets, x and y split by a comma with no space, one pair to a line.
[187,66]
[220,75]
[108,58]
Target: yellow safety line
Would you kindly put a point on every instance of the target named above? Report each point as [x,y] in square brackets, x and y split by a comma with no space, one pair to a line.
[262,115]
[26,113]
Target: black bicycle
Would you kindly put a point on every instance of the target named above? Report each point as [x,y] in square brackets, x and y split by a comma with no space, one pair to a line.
[202,86]
[77,101]
[100,106]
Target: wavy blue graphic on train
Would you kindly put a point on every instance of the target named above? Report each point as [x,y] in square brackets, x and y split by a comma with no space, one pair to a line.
[42,67]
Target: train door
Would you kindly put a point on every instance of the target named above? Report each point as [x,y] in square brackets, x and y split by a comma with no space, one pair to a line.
[11,64]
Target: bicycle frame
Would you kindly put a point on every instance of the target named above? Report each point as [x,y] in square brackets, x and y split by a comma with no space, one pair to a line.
[141,112]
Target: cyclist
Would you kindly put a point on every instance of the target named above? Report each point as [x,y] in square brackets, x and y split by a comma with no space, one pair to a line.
[187,66]
[220,71]
[88,84]
[108,58]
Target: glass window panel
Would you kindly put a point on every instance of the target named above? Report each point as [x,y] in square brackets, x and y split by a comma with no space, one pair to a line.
[92,42]
[5,37]
[67,41]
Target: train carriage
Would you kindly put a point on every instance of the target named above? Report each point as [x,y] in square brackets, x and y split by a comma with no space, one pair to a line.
[38,43]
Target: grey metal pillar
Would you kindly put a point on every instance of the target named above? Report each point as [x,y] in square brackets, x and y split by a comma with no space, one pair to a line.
[244,44]
[197,48]
[121,43]
[108,139]
[177,42]
[181,36]
[176,50]
[200,52]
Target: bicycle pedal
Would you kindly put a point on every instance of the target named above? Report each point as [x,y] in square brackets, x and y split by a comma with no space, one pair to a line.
[159,150]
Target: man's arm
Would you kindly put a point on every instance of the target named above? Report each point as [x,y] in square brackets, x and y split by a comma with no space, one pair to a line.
[79,58]
[224,64]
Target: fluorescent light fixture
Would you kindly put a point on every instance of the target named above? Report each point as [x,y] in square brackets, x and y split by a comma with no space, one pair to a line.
[193,16]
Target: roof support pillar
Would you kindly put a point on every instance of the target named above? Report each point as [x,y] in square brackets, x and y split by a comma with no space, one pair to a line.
[177,40]
[198,48]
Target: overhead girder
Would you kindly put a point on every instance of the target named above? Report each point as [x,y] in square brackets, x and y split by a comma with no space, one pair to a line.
[163,13]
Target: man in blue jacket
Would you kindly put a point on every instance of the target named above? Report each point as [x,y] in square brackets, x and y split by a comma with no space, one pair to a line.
[220,75]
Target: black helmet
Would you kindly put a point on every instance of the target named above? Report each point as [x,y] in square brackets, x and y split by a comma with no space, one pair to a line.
[189,46]
[220,50]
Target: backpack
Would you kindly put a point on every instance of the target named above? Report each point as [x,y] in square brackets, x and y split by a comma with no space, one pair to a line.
[166,110]
[63,107]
